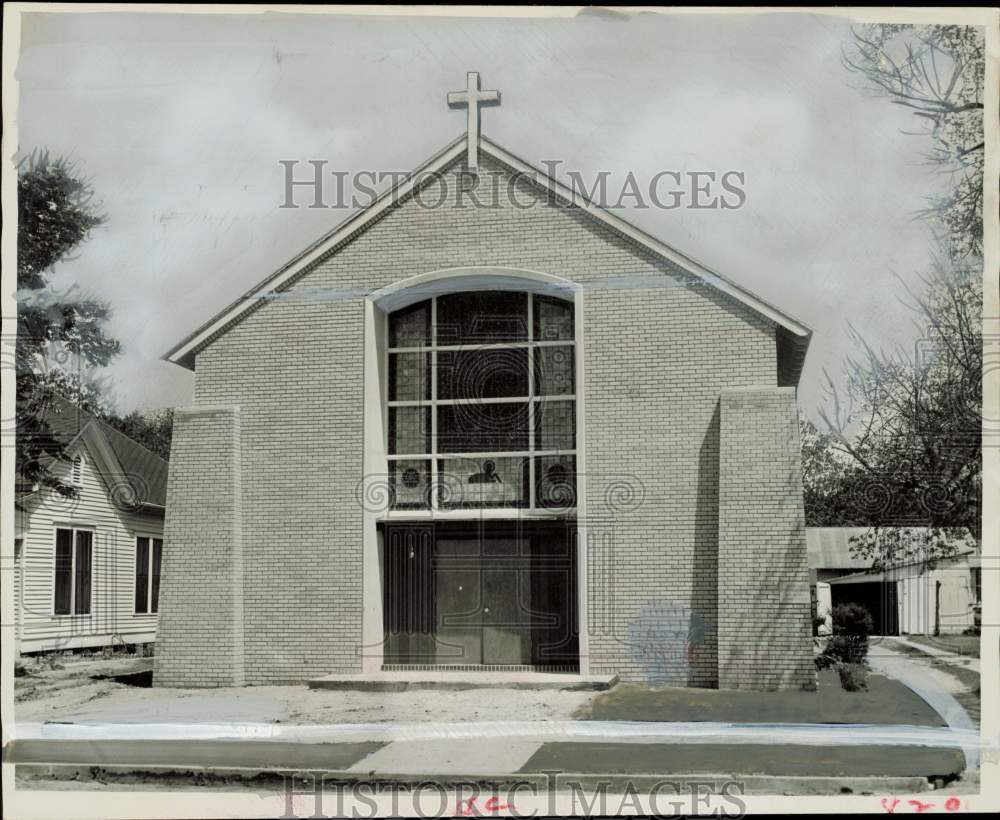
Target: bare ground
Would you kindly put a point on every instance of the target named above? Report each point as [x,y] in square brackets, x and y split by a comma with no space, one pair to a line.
[71,693]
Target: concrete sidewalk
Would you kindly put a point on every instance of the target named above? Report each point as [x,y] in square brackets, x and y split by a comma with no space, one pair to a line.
[504,750]
[933,686]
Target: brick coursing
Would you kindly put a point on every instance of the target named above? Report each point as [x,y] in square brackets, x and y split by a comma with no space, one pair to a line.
[200,634]
[659,347]
[765,630]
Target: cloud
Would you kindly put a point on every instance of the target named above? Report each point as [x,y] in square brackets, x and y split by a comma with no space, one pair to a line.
[181,121]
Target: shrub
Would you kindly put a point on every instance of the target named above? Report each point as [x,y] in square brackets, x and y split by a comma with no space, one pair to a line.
[852,619]
[853,676]
[852,624]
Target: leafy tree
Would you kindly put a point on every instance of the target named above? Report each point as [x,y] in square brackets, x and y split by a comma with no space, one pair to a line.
[829,480]
[152,429]
[903,442]
[59,335]
[938,72]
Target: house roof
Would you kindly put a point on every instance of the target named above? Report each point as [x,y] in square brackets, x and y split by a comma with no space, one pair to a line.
[830,547]
[793,335]
[124,459]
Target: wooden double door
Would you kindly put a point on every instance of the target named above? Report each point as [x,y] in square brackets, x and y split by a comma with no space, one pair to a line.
[481,594]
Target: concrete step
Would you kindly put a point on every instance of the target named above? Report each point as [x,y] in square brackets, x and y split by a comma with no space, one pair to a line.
[399,681]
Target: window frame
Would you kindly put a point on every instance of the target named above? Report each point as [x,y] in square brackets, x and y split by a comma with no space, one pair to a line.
[533,399]
[152,538]
[74,528]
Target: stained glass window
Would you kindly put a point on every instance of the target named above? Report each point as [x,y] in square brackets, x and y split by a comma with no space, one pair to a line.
[484,414]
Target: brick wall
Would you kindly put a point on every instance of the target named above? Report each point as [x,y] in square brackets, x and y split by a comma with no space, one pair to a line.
[659,345]
[199,639]
[765,630]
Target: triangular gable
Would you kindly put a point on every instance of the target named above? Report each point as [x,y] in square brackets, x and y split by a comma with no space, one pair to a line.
[793,334]
[135,476]
[122,487]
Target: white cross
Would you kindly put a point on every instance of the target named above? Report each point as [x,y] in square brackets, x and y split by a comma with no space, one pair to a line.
[473,97]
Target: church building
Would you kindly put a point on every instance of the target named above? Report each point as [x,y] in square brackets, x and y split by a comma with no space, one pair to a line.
[504,433]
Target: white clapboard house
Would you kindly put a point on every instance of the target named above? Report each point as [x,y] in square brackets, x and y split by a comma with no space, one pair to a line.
[913,596]
[87,569]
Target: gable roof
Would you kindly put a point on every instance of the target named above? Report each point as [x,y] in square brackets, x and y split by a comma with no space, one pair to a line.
[793,335]
[123,461]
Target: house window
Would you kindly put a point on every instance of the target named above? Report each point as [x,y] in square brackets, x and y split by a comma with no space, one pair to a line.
[74,561]
[482,402]
[77,465]
[148,552]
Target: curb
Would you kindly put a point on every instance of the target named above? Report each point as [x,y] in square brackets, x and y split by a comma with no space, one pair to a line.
[269,779]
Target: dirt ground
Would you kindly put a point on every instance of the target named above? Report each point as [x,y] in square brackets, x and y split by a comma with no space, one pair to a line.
[72,693]
[78,688]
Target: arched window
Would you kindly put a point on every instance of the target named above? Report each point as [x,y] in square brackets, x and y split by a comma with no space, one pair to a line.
[482,402]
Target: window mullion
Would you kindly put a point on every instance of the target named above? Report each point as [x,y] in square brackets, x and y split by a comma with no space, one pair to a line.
[434,415]
[531,401]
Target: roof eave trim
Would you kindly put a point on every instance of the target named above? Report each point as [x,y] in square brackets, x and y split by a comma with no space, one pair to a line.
[650,242]
[183,353]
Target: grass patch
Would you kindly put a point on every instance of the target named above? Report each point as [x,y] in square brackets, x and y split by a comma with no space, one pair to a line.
[965,645]
[969,678]
[747,759]
[884,702]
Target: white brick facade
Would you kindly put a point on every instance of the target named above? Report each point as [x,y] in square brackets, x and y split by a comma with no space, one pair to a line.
[272,481]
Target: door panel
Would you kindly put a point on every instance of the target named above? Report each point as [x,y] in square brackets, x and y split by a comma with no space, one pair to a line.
[408,595]
[459,630]
[506,616]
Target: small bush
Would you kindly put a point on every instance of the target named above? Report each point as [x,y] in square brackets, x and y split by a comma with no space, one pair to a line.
[853,676]
[852,619]
[852,624]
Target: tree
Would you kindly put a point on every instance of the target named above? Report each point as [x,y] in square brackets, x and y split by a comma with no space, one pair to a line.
[59,335]
[829,481]
[903,442]
[151,429]
[937,72]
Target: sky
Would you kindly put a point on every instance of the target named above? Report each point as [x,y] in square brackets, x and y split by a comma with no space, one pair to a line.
[181,121]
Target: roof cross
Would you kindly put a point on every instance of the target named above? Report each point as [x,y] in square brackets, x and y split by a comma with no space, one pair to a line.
[472,97]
